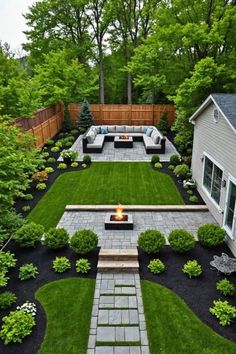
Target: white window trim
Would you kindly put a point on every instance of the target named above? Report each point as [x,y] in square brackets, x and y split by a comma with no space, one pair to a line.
[205,154]
[230,232]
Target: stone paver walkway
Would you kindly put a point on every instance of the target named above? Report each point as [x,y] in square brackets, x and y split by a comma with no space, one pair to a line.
[163,221]
[109,153]
[118,316]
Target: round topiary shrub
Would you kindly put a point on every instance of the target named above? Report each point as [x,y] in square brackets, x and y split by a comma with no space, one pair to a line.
[156,266]
[181,241]
[211,235]
[155,159]
[28,234]
[87,159]
[56,238]
[175,160]
[84,241]
[151,241]
[182,171]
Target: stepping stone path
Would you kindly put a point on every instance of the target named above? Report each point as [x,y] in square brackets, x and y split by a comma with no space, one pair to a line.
[118,316]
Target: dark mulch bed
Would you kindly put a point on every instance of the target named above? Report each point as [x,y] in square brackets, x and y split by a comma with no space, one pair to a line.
[198,293]
[25,290]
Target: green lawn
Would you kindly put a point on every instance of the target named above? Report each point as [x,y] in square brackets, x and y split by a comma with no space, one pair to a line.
[174,328]
[68,306]
[106,183]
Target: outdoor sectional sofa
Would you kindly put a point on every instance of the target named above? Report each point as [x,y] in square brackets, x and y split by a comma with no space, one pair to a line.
[96,136]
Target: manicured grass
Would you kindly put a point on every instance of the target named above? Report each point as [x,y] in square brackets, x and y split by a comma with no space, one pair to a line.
[174,328]
[106,183]
[68,306]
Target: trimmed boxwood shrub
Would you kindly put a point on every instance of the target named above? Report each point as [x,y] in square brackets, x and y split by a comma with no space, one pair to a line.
[87,159]
[28,234]
[181,241]
[151,241]
[175,160]
[83,241]
[211,235]
[56,238]
[155,159]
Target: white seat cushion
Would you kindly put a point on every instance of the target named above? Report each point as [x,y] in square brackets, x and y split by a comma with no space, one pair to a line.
[98,142]
[120,129]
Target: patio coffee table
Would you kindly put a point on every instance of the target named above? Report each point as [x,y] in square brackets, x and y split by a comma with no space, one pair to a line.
[123,141]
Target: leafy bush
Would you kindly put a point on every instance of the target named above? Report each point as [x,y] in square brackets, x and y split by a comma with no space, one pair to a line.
[3,278]
[51,160]
[59,144]
[7,260]
[84,241]
[28,234]
[40,176]
[74,164]
[49,170]
[190,192]
[55,149]
[83,266]
[62,166]
[61,264]
[71,154]
[163,124]
[82,130]
[84,165]
[16,326]
[192,269]
[41,186]
[7,298]
[26,208]
[28,271]
[182,171]
[225,287]
[181,241]
[156,266]
[193,199]
[10,222]
[211,235]
[223,311]
[151,241]
[87,159]
[74,131]
[158,165]
[49,142]
[28,197]
[67,143]
[56,238]
[175,160]
[171,167]
[155,159]
[44,154]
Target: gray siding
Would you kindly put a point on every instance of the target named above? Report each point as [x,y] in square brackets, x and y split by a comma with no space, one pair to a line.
[219,141]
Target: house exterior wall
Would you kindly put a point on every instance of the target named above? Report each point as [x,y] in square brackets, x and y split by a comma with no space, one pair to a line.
[218,141]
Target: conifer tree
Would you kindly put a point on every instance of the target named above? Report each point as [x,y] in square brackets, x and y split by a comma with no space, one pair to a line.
[85,118]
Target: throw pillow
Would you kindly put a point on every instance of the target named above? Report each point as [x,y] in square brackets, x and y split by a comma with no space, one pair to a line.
[104,130]
[145,129]
[154,132]
[149,131]
[98,129]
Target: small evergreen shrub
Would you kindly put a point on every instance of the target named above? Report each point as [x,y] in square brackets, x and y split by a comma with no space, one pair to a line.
[49,170]
[7,260]
[62,166]
[156,266]
[40,176]
[28,197]
[51,160]
[87,159]
[83,266]
[171,167]
[175,160]
[61,264]
[192,269]
[84,165]
[49,142]
[182,171]
[211,235]
[55,149]
[56,238]
[163,124]
[74,164]
[181,241]
[155,159]
[26,208]
[193,199]
[28,271]
[223,311]
[85,118]
[82,130]
[41,186]
[225,287]
[28,234]
[7,299]
[83,241]
[151,241]
[158,165]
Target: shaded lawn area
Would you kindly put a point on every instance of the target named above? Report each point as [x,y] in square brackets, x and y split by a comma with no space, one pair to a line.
[68,306]
[173,328]
[106,183]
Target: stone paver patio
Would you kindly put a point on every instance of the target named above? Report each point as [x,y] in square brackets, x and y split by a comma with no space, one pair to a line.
[109,153]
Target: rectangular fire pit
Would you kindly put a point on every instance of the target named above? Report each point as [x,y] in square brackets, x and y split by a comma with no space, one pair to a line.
[111,222]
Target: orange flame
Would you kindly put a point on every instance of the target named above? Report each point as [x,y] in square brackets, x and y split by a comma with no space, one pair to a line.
[119,212]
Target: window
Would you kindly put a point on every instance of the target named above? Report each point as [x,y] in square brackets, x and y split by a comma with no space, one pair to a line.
[212,179]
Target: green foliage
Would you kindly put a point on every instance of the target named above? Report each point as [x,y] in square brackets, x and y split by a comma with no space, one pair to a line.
[49,170]
[223,311]
[84,165]
[28,234]
[85,118]
[190,192]
[225,287]
[55,149]
[158,165]
[51,160]
[74,131]
[26,208]
[83,266]
[83,241]
[41,186]
[155,159]
[156,266]
[151,241]
[61,264]
[192,269]
[87,159]
[28,197]
[163,125]
[175,160]
[56,238]
[67,120]
[16,326]
[193,199]
[62,166]
[49,142]
[7,260]
[182,171]
[171,167]
[74,164]
[40,176]
[28,271]
[9,223]
[181,241]
[211,235]
[71,154]
[7,298]
[3,278]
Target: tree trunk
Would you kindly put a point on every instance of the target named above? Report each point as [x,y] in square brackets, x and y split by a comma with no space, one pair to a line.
[129,88]
[101,76]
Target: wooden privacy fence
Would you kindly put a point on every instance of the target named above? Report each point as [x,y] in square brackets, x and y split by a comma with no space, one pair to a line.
[118,114]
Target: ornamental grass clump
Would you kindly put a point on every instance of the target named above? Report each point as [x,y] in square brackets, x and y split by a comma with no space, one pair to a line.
[56,238]
[151,241]
[223,311]
[61,264]
[156,266]
[83,266]
[84,241]
[181,241]
[225,287]
[211,235]
[28,234]
[192,269]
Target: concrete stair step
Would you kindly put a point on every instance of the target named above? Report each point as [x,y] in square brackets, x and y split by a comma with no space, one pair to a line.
[118,334]
[117,266]
[118,254]
[119,350]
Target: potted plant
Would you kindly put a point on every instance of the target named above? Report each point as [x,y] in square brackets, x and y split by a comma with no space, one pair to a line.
[69,156]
